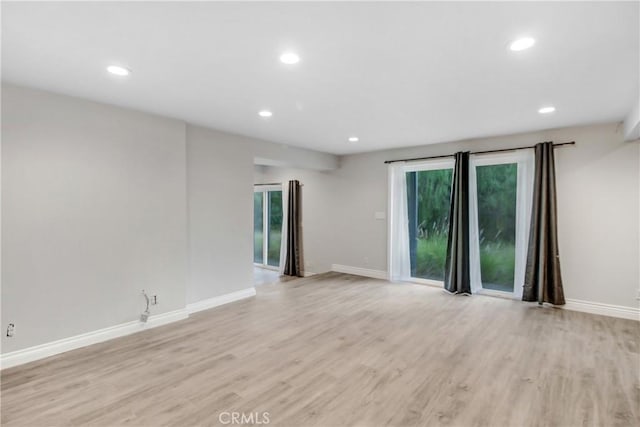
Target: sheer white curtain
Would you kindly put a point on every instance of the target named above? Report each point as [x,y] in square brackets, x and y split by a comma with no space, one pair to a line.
[524,200]
[524,194]
[398,232]
[474,231]
[284,233]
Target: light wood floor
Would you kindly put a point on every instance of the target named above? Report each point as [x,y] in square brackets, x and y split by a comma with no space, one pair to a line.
[336,350]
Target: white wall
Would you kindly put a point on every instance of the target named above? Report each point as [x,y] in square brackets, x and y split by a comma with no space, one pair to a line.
[598,186]
[93,211]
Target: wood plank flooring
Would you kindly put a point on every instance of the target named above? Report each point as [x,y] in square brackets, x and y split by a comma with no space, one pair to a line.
[337,350]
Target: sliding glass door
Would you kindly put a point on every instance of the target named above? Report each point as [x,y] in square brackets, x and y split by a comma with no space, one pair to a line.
[499,211]
[274,234]
[258,227]
[267,226]
[428,197]
[501,187]
[496,190]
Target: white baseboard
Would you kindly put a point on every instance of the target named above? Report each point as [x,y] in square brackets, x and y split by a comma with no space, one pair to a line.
[220,300]
[308,274]
[610,310]
[41,351]
[375,274]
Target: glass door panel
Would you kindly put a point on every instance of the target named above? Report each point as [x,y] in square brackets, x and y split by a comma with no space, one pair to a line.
[496,190]
[267,227]
[274,216]
[428,200]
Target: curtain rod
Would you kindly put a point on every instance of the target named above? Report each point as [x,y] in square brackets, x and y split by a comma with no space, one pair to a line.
[476,152]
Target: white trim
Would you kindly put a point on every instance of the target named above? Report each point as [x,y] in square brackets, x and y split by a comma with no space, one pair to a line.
[428,282]
[498,294]
[308,273]
[632,313]
[524,161]
[259,188]
[430,165]
[266,226]
[41,351]
[486,292]
[505,158]
[375,274]
[220,300]
[266,267]
[266,191]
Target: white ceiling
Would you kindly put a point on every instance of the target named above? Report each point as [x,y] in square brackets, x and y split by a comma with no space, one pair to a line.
[394,74]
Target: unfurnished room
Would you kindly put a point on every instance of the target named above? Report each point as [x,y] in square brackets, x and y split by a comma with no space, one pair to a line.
[320,213]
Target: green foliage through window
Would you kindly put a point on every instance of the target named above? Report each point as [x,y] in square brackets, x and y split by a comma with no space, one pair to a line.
[428,202]
[272,201]
[497,186]
[429,194]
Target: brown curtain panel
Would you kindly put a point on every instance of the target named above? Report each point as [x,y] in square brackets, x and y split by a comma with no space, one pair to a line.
[543,281]
[457,276]
[292,265]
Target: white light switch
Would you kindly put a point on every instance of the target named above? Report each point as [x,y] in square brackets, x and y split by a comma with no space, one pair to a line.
[379,215]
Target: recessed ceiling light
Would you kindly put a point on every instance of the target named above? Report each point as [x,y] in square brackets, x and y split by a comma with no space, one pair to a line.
[118,71]
[289,58]
[547,110]
[353,139]
[522,44]
[265,113]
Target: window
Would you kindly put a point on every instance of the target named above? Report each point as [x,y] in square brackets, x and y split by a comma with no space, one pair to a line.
[267,225]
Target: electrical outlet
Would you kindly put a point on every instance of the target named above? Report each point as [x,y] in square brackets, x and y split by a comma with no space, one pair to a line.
[153,299]
[11,330]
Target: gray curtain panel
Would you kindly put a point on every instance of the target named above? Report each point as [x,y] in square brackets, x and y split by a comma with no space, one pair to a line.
[457,276]
[292,266]
[543,281]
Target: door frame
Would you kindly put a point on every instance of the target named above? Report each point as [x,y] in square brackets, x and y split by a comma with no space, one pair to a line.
[265,189]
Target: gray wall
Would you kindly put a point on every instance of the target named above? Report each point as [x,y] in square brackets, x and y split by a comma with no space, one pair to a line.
[93,211]
[220,173]
[100,202]
[323,213]
[598,185]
